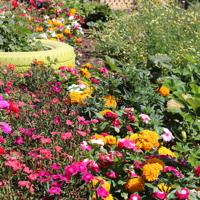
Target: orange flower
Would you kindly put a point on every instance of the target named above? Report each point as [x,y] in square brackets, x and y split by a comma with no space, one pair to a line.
[109,101]
[85,73]
[164,91]
[67,31]
[39,29]
[110,140]
[151,171]
[73,11]
[135,184]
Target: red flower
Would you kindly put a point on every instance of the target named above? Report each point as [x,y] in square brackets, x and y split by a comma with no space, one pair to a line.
[2,151]
[183,193]
[15,4]
[197,171]
[13,107]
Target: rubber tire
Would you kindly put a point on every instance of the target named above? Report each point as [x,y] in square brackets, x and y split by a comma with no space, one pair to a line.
[61,52]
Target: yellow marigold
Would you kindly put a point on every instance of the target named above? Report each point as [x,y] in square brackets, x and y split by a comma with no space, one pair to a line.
[56,23]
[164,187]
[75,97]
[151,171]
[147,140]
[135,184]
[49,22]
[85,73]
[97,136]
[110,140]
[164,91]
[67,31]
[109,197]
[109,101]
[156,160]
[73,11]
[166,151]
[88,65]
[39,29]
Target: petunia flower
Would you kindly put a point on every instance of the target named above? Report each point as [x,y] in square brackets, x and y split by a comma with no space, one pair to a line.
[167,135]
[5,127]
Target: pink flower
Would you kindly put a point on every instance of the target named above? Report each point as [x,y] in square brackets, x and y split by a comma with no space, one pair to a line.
[94,167]
[197,171]
[56,120]
[94,80]
[135,197]
[128,144]
[111,174]
[69,122]
[55,166]
[167,135]
[85,147]
[24,184]
[87,177]
[66,136]
[82,133]
[19,140]
[102,193]
[3,103]
[54,190]
[2,140]
[5,127]
[145,118]
[13,163]
[45,140]
[183,193]
[104,70]
[159,195]
[33,176]
[173,170]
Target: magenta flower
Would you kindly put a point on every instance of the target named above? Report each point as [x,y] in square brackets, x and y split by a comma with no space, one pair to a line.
[5,127]
[145,118]
[135,197]
[102,192]
[183,193]
[24,184]
[85,147]
[87,177]
[54,190]
[159,195]
[3,103]
[111,174]
[167,135]
[173,170]
[196,170]
[128,144]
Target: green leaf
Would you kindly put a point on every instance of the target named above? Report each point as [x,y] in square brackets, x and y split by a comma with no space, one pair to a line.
[194,103]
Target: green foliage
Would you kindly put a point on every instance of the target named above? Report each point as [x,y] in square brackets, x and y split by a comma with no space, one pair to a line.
[154,30]
[15,35]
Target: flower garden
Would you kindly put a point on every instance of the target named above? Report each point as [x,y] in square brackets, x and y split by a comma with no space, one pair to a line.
[123,123]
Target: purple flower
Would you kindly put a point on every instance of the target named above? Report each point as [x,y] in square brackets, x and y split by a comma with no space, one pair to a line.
[5,127]
[167,135]
[3,103]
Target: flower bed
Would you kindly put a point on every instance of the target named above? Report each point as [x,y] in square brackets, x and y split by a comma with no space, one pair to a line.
[66,130]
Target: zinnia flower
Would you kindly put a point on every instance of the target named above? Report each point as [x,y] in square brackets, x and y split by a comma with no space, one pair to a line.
[159,195]
[183,193]
[135,197]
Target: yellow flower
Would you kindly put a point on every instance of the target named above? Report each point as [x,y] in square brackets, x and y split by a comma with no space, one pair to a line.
[98,180]
[75,97]
[56,22]
[85,73]
[147,140]
[67,31]
[39,29]
[132,137]
[135,184]
[166,151]
[49,22]
[88,65]
[109,101]
[73,11]
[110,140]
[156,160]
[151,171]
[164,91]
[164,187]
[59,36]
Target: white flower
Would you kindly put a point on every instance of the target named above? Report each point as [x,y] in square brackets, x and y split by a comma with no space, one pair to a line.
[97,141]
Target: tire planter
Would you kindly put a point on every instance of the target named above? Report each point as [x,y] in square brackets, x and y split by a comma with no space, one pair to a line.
[61,52]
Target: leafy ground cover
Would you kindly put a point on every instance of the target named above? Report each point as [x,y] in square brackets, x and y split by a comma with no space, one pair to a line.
[117,130]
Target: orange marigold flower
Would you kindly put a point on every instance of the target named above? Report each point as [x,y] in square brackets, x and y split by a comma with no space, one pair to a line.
[75,97]
[39,29]
[73,11]
[164,91]
[156,160]
[88,65]
[147,140]
[67,31]
[151,171]
[166,151]
[135,184]
[109,101]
